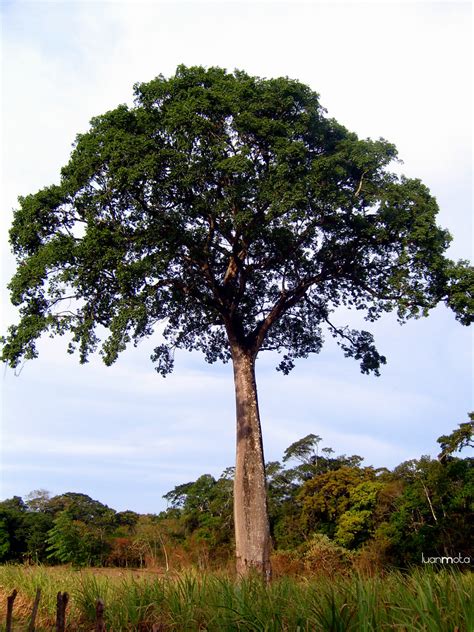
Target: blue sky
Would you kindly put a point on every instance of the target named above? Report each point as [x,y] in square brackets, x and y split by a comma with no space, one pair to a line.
[123,434]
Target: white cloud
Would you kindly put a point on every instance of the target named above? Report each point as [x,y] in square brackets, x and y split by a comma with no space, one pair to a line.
[64,447]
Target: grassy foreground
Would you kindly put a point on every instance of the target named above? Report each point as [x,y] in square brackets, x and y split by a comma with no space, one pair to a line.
[424,600]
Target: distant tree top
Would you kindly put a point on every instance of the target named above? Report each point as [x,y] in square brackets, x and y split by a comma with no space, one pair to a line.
[459,439]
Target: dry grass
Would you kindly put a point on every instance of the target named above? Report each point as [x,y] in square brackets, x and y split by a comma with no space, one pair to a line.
[424,601]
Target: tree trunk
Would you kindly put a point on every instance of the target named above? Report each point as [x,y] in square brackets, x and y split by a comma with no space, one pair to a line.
[252,531]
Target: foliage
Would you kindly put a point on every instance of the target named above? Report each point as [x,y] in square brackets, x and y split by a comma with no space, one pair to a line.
[12,528]
[303,450]
[326,497]
[460,438]
[234,210]
[77,542]
[322,555]
[435,510]
[37,527]
[206,506]
[4,539]
[349,515]
[70,527]
[38,500]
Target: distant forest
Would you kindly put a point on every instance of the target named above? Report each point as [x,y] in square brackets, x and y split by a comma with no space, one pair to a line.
[327,512]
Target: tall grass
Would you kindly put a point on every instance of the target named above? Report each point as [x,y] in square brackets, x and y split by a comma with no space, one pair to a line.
[424,600]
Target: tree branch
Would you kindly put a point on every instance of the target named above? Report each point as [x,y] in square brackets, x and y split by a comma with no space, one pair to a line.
[360,184]
[284,303]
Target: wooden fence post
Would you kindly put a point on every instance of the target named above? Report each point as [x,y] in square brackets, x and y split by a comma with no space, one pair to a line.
[61,605]
[34,612]
[99,616]
[10,601]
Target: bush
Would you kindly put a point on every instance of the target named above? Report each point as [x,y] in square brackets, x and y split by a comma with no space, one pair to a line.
[323,556]
[287,564]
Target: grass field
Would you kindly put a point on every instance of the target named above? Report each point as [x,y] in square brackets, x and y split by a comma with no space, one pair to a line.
[423,600]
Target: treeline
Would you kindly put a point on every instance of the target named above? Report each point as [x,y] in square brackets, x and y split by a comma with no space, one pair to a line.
[325,511]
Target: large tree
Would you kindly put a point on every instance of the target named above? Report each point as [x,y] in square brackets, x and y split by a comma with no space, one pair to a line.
[231,210]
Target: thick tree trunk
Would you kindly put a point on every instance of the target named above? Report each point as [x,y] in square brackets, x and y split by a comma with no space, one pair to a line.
[252,531]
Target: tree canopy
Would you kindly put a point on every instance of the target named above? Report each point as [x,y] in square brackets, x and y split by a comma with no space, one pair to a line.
[458,439]
[231,209]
